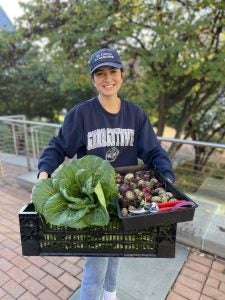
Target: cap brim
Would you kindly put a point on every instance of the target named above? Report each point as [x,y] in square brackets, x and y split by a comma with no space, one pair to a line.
[107,64]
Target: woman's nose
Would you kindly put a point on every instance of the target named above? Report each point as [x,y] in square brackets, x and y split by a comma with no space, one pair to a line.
[107,76]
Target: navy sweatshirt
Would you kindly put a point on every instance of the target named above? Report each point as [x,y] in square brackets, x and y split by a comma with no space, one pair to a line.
[119,138]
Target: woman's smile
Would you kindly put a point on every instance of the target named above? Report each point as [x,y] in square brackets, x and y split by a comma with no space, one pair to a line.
[108,86]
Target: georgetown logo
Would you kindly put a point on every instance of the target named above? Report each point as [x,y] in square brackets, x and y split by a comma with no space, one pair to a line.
[110,137]
[111,154]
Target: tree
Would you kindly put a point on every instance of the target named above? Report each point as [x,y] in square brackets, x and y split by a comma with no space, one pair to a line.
[206,125]
[24,85]
[173,52]
[171,47]
[209,125]
[185,54]
[30,82]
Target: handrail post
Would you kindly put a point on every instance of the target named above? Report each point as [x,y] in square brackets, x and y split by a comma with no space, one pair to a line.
[14,138]
[33,143]
[36,138]
[27,146]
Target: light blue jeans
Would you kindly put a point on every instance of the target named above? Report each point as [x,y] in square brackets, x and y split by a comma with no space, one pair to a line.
[99,273]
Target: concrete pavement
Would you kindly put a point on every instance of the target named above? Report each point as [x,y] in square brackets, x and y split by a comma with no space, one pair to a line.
[147,278]
[207,230]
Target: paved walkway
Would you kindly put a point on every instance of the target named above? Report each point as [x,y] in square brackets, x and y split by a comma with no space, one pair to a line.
[202,275]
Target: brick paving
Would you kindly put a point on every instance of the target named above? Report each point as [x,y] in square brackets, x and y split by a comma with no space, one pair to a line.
[202,277]
[51,278]
[21,277]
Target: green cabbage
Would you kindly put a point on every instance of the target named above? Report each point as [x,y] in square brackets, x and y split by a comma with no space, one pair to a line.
[81,193]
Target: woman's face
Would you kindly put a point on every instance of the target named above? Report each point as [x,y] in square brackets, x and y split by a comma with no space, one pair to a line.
[107,81]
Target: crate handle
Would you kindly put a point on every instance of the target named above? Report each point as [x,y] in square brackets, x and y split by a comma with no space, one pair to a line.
[182,204]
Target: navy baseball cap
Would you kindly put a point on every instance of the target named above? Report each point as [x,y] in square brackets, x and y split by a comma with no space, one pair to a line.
[104,57]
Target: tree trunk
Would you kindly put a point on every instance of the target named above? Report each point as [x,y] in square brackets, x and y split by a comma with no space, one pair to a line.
[184,119]
[162,114]
[202,155]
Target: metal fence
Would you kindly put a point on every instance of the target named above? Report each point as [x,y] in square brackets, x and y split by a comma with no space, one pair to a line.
[26,139]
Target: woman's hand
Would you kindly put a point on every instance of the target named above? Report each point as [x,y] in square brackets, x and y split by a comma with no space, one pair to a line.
[43,175]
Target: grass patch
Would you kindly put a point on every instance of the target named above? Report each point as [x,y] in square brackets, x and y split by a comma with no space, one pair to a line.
[187,179]
[218,170]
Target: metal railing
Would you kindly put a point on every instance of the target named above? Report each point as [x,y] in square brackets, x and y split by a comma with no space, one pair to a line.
[27,139]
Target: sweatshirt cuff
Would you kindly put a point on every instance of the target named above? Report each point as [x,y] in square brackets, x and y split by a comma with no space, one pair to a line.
[169,176]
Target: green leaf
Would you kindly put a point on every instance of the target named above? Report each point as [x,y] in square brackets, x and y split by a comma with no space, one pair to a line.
[80,206]
[70,189]
[97,217]
[57,211]
[43,190]
[100,195]
[101,171]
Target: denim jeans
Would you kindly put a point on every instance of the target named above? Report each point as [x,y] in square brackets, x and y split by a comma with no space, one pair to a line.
[99,273]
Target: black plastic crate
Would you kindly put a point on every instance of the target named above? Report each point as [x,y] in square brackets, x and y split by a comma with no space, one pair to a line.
[147,220]
[40,238]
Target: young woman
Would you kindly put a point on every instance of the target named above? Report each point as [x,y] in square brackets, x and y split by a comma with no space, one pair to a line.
[116,130]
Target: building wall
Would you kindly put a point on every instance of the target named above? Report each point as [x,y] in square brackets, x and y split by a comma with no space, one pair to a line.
[5,23]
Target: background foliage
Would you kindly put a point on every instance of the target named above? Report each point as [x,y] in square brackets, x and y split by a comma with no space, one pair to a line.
[173,53]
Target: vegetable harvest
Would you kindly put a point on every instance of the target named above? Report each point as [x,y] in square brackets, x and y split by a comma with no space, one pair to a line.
[140,191]
[82,193]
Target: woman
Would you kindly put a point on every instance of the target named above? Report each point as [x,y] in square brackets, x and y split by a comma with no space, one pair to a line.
[114,129]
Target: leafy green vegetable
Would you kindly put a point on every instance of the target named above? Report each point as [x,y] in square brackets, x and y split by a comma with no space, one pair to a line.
[82,193]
